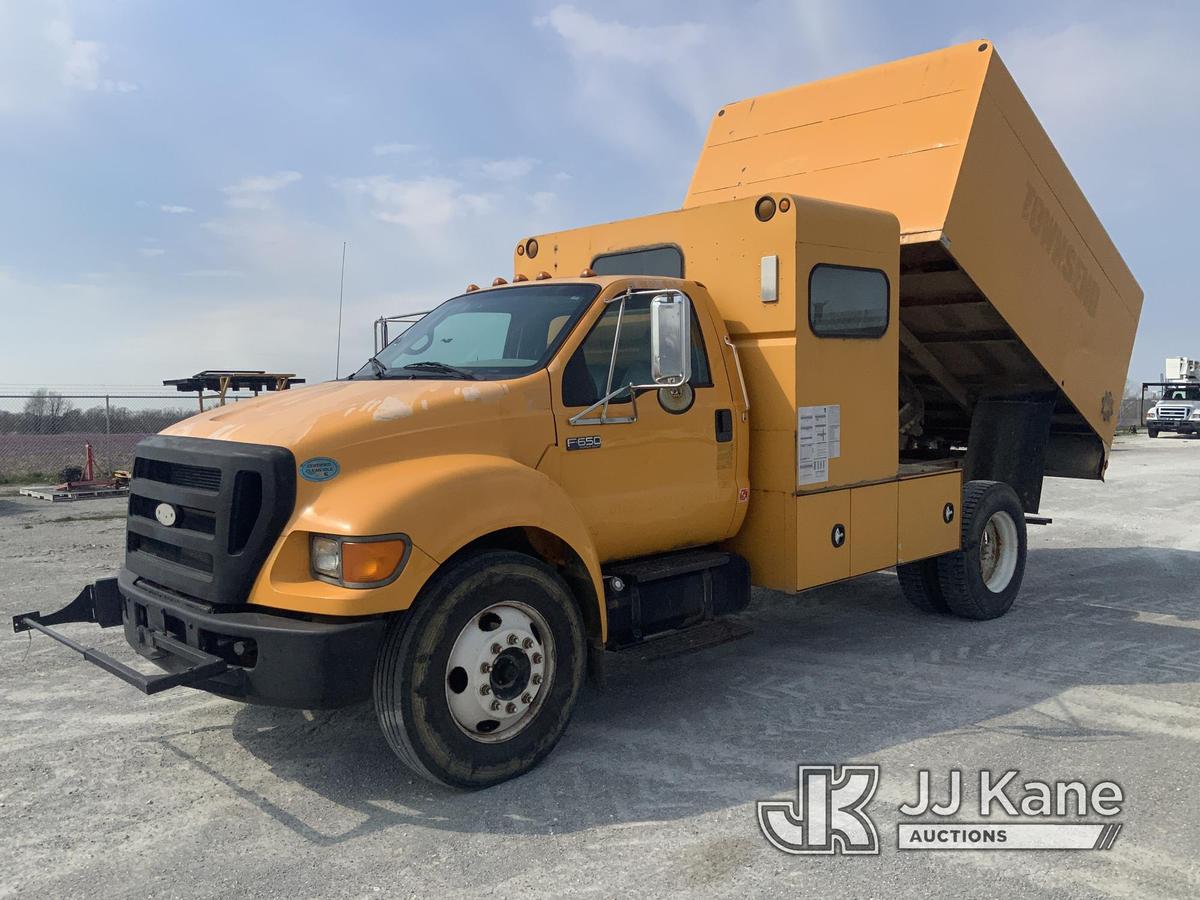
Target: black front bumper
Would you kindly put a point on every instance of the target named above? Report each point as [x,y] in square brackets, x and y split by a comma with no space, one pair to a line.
[1178,427]
[250,655]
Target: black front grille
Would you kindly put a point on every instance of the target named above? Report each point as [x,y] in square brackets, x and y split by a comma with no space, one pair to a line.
[203,477]
[203,514]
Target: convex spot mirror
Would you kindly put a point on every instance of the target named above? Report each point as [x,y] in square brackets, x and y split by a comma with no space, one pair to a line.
[670,339]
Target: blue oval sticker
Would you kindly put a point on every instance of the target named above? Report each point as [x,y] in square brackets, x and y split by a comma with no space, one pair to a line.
[319,468]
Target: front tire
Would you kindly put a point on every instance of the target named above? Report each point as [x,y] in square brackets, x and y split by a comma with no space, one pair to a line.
[1153,432]
[981,580]
[477,683]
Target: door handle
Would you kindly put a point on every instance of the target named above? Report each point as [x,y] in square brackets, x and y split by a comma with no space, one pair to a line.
[724,426]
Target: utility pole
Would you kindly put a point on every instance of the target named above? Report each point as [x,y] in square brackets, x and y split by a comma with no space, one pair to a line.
[337,366]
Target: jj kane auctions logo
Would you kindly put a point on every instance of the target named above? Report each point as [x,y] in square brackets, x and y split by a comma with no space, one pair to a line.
[829,814]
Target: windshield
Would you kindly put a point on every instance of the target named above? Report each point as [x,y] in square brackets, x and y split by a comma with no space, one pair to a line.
[486,335]
[1181,392]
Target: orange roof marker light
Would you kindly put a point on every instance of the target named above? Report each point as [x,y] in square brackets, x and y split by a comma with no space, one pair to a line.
[764,209]
[497,281]
[587,273]
[472,287]
[520,277]
[542,276]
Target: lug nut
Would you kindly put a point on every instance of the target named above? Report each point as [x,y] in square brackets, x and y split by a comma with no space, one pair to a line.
[495,707]
[536,679]
[537,658]
[526,698]
[510,708]
[485,689]
[527,643]
[485,668]
[496,648]
[512,639]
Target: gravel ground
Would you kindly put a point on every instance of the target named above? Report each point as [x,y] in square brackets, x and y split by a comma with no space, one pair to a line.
[1093,675]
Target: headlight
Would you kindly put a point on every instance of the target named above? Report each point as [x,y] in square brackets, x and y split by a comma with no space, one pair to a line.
[358,562]
[326,554]
[1195,416]
[1153,413]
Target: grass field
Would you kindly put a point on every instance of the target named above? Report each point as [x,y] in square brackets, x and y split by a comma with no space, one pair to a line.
[41,458]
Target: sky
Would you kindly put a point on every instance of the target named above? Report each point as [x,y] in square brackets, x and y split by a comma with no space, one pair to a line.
[177,179]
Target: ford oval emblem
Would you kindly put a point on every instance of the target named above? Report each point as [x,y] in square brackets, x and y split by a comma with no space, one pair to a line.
[165,513]
[319,468]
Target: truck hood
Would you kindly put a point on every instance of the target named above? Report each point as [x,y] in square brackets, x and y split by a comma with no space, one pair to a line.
[410,417]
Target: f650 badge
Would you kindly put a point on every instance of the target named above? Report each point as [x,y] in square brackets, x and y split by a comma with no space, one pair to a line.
[591,442]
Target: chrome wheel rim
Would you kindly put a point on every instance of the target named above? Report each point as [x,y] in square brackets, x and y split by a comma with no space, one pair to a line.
[998,551]
[499,672]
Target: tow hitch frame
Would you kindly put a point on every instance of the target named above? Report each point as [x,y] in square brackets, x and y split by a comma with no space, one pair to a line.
[101,604]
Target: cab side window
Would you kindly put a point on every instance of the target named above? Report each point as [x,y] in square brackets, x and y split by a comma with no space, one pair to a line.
[586,373]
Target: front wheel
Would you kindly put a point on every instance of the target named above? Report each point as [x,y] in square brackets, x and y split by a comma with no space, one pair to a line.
[981,580]
[1153,432]
[477,684]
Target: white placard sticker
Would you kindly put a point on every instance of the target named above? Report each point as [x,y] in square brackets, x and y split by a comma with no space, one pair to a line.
[818,440]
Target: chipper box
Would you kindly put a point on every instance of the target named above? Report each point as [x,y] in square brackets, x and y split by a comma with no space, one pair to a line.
[884,313]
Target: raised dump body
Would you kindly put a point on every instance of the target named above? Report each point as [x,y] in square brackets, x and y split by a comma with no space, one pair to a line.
[1009,284]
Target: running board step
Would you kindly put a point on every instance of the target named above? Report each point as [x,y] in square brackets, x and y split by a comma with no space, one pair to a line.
[690,640]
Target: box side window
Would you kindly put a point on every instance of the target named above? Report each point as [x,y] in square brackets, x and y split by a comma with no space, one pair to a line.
[846,302]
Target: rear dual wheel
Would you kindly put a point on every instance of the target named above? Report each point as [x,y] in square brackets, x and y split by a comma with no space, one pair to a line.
[981,580]
[477,684]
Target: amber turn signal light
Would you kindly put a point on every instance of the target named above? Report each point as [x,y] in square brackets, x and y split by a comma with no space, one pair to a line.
[371,562]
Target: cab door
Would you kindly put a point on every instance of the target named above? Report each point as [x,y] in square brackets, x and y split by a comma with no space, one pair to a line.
[668,479]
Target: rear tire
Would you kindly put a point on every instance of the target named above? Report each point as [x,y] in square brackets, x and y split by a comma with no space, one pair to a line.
[981,580]
[921,587]
[457,710]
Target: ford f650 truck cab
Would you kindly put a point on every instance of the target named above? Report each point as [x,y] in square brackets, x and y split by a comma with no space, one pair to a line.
[883,315]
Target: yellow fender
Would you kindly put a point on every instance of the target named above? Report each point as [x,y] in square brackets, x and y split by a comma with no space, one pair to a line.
[442,503]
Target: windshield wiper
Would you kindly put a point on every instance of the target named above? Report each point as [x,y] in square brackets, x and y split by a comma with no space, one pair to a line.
[380,368]
[441,367]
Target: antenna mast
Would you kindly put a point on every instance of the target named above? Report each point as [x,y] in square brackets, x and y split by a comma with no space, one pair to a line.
[337,366]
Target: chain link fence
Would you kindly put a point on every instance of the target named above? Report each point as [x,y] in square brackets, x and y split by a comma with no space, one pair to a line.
[44,435]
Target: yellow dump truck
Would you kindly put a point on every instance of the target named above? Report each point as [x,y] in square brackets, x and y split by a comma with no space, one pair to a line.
[884,312]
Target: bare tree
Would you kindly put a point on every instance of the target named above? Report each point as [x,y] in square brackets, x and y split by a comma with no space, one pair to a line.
[44,411]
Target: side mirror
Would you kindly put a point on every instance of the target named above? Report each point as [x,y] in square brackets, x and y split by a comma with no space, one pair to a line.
[670,339]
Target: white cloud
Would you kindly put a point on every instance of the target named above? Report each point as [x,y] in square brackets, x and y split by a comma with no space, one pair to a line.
[508,169]
[392,149]
[149,252]
[651,90]
[254,191]
[80,59]
[591,39]
[176,210]
[428,202]
[1089,77]
[44,62]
